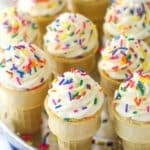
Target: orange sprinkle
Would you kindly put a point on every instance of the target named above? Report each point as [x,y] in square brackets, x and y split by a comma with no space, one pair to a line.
[137,101]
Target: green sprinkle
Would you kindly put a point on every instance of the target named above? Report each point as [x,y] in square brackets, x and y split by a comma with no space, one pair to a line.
[2,65]
[68,27]
[141,59]
[95,101]
[14,35]
[35,69]
[71,34]
[76,94]
[140,87]
[81,82]
[130,39]
[67,119]
[135,112]
[123,89]
[129,56]
[34,26]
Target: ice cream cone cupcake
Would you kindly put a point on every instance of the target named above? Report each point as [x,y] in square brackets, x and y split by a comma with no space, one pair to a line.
[119,58]
[74,105]
[24,80]
[131,18]
[16,26]
[42,11]
[131,111]
[92,9]
[71,41]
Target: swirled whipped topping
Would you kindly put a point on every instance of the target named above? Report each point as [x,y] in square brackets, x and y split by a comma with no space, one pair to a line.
[128,17]
[123,55]
[133,97]
[71,35]
[41,7]
[16,27]
[23,66]
[75,95]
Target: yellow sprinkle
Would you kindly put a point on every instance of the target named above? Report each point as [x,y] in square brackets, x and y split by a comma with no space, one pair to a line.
[82,90]
[144,65]
[143,80]
[63,36]
[135,18]
[55,80]
[25,51]
[105,57]
[141,49]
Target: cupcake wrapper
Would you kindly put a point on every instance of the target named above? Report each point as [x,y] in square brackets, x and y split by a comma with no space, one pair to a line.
[60,65]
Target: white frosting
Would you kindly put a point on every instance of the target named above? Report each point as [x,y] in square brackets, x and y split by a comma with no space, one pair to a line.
[128,17]
[133,98]
[75,95]
[124,55]
[23,67]
[16,27]
[41,7]
[71,35]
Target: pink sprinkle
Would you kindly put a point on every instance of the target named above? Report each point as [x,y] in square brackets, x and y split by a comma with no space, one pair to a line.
[75,110]
[18,80]
[54,102]
[84,25]
[70,87]
[148,108]
[78,31]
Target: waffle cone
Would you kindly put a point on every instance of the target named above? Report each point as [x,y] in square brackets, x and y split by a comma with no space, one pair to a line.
[87,62]
[135,135]
[24,108]
[73,135]
[43,21]
[105,81]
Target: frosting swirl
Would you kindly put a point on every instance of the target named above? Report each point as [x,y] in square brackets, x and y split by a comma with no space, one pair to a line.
[16,27]
[133,97]
[23,66]
[41,7]
[71,35]
[128,17]
[123,55]
[75,95]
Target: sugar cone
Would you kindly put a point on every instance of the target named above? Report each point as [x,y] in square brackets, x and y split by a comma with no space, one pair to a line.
[93,9]
[135,135]
[87,62]
[38,41]
[43,21]
[73,135]
[109,85]
[24,108]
